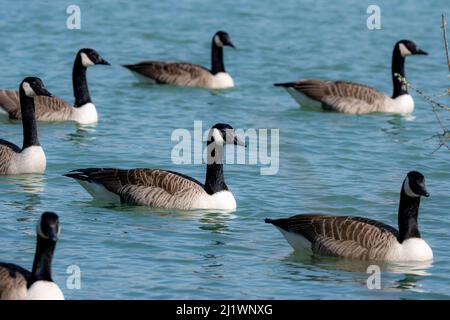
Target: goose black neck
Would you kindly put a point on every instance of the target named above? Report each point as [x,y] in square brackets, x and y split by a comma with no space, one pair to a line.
[408,212]
[42,265]
[215,181]
[216,58]
[30,135]
[80,86]
[398,67]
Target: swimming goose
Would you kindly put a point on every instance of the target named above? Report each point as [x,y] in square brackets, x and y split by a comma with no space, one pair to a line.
[163,188]
[56,109]
[362,238]
[31,158]
[17,283]
[355,98]
[187,74]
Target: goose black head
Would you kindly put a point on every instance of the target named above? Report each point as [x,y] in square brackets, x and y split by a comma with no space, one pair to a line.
[90,57]
[48,226]
[33,86]
[408,48]
[222,133]
[221,39]
[414,185]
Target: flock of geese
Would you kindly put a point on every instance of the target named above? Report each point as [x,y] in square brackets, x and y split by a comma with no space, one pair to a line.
[339,236]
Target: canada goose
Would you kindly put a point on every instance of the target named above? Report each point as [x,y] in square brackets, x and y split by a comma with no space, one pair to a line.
[187,74]
[31,158]
[354,98]
[17,283]
[362,238]
[56,109]
[166,189]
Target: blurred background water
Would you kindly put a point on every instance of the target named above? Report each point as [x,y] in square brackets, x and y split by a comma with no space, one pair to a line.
[332,163]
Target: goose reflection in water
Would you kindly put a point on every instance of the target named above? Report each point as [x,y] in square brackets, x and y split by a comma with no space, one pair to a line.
[83,134]
[413,272]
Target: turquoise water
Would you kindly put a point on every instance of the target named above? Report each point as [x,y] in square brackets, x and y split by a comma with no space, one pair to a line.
[332,163]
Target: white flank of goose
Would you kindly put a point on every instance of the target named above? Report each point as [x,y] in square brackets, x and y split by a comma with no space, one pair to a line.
[362,238]
[188,74]
[354,98]
[30,158]
[166,189]
[56,109]
[17,283]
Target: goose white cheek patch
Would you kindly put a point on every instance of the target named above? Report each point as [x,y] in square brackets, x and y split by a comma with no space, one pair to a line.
[218,137]
[408,190]
[217,41]
[85,60]
[39,230]
[404,51]
[28,90]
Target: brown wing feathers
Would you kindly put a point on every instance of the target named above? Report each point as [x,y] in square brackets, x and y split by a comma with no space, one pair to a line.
[7,152]
[13,281]
[344,236]
[337,227]
[179,73]
[9,101]
[341,96]
[152,187]
[47,108]
[115,179]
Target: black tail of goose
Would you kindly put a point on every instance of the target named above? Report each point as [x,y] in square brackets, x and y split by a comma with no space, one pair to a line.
[284,84]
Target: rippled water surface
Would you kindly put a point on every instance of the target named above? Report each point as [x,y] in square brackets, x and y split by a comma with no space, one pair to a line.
[332,163]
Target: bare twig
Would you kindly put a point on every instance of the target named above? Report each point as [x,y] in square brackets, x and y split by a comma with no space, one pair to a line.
[444,136]
[422,93]
[444,25]
[442,94]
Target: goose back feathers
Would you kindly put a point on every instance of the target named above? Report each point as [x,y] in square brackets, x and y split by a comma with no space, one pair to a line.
[344,236]
[177,73]
[13,282]
[152,187]
[47,108]
[339,96]
[8,151]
